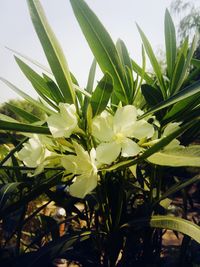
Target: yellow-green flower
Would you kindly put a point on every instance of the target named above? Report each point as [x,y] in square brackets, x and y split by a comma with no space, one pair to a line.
[84,166]
[64,123]
[115,133]
[34,152]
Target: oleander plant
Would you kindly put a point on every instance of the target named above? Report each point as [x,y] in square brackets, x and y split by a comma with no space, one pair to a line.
[113,155]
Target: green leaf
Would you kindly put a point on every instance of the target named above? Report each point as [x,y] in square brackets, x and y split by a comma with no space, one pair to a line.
[183,94]
[17,172]
[22,127]
[178,187]
[195,62]
[194,132]
[34,62]
[90,84]
[52,50]
[7,118]
[51,224]
[139,71]
[153,61]
[27,97]
[56,247]
[177,157]
[6,190]
[22,113]
[101,95]
[182,72]
[15,149]
[168,222]
[182,107]
[126,61]
[177,72]
[123,53]
[54,90]
[170,43]
[176,224]
[151,94]
[102,46]
[37,81]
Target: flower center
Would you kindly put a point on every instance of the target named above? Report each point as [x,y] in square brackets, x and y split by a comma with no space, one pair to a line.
[118,138]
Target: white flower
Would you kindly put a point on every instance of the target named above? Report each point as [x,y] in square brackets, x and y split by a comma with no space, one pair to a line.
[34,153]
[65,122]
[84,166]
[115,133]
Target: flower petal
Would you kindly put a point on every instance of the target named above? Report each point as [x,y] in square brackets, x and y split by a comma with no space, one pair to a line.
[33,152]
[170,128]
[130,148]
[69,163]
[124,120]
[108,152]
[102,127]
[83,160]
[67,111]
[174,144]
[143,129]
[83,185]
[64,123]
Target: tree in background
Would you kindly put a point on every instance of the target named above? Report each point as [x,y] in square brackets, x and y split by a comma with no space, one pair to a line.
[189,20]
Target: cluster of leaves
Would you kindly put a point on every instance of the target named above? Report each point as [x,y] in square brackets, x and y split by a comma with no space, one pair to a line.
[13,107]
[121,228]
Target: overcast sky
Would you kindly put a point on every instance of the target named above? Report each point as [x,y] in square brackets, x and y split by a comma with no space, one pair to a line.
[118,16]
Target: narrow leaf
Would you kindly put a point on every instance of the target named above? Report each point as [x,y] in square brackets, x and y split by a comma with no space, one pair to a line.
[22,113]
[182,107]
[37,81]
[27,97]
[101,95]
[168,222]
[177,224]
[6,190]
[126,61]
[185,67]
[101,45]
[151,94]
[90,84]
[153,61]
[170,43]
[22,127]
[34,62]
[54,90]
[183,94]
[52,50]
[139,71]
[178,187]
[177,157]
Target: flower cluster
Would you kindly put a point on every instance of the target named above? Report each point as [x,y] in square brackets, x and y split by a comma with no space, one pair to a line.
[114,136]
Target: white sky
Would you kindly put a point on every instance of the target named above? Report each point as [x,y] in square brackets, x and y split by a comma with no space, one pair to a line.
[118,16]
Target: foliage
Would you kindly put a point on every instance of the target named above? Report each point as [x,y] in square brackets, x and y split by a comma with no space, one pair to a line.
[189,21]
[13,107]
[101,146]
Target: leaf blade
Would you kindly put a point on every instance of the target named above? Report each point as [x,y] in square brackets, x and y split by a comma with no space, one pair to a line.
[101,95]
[170,43]
[52,50]
[22,127]
[101,45]
[177,157]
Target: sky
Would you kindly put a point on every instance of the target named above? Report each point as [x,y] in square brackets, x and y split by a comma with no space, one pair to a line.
[118,16]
